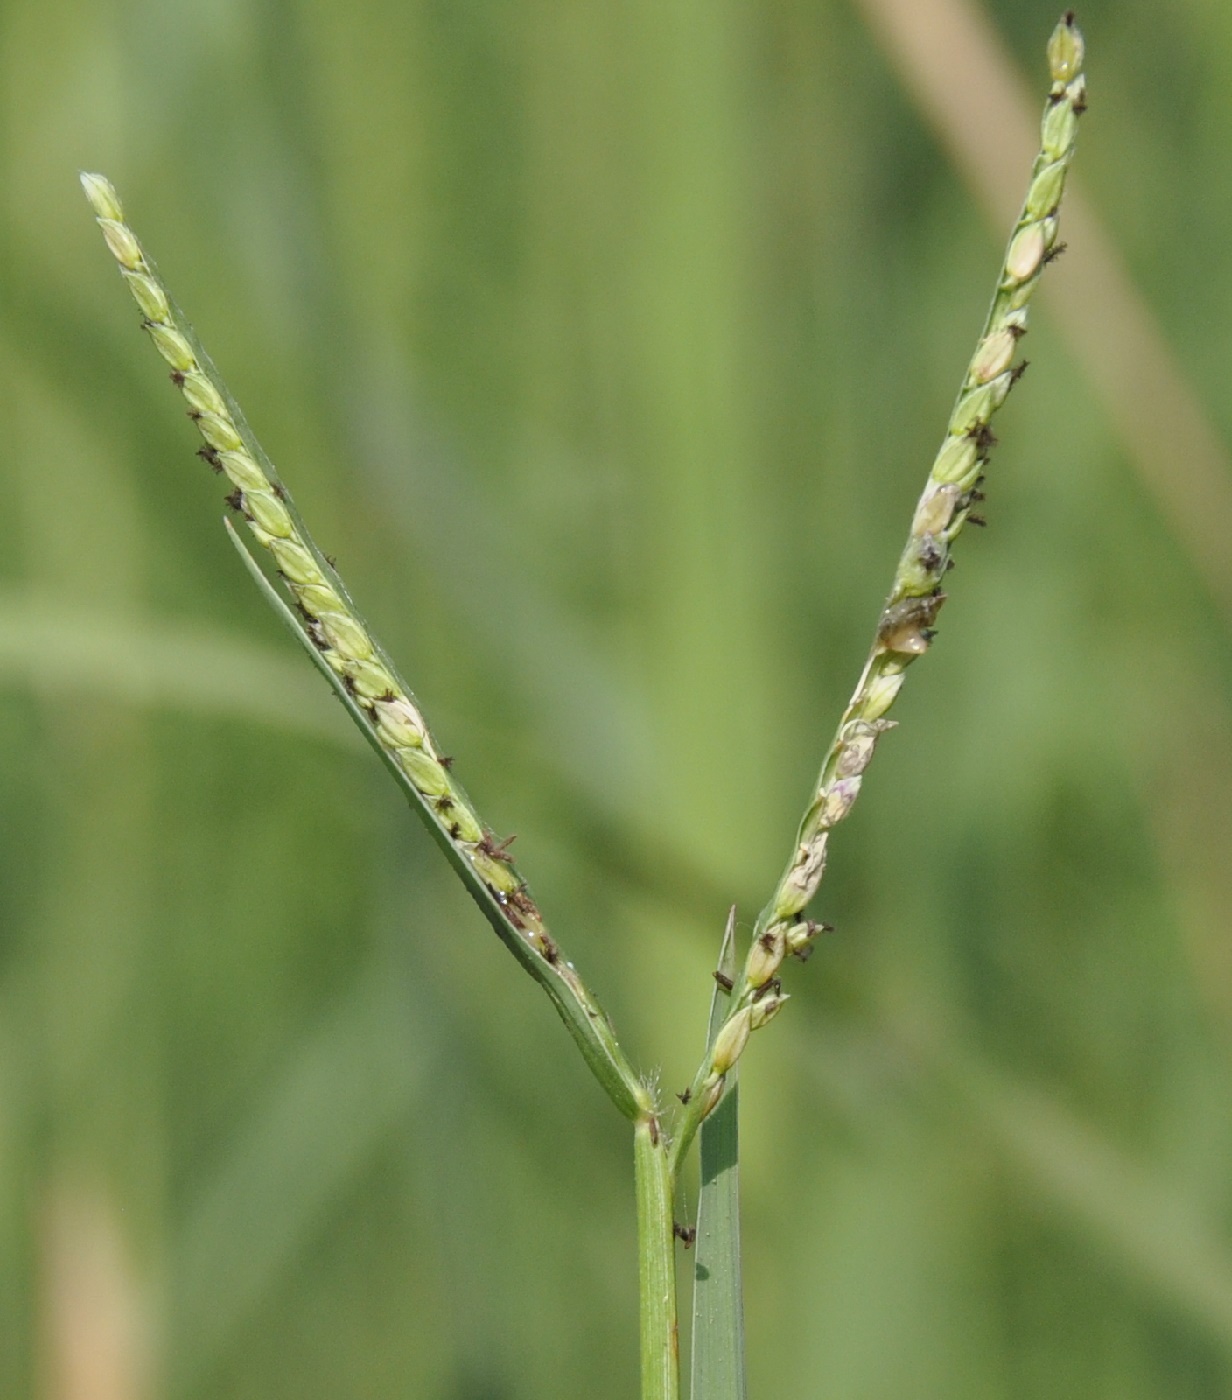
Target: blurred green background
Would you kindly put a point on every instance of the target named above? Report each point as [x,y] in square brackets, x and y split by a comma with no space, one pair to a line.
[607,346]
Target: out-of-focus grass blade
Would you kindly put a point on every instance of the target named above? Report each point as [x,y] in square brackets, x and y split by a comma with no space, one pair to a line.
[54,646]
[345,1088]
[718,1304]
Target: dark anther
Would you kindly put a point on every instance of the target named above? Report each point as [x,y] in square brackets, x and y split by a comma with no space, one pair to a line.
[686,1234]
[1080,104]
[724,981]
[348,684]
[977,520]
[444,803]
[1018,371]
[1067,19]
[524,902]
[550,951]
[686,1096]
[332,560]
[388,696]
[177,378]
[903,623]
[279,490]
[983,436]
[1053,253]
[235,499]
[654,1132]
[208,454]
[773,985]
[975,494]
[446,761]
[496,850]
[455,830]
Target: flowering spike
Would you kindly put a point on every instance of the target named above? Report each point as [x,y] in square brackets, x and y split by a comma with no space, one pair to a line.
[905,629]
[346,653]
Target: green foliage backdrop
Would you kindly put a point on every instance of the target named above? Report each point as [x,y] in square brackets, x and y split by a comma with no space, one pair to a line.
[607,346]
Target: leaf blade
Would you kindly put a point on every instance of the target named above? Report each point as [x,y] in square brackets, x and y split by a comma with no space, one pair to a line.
[718,1359]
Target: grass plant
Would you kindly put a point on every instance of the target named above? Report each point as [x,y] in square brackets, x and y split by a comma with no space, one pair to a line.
[316,606]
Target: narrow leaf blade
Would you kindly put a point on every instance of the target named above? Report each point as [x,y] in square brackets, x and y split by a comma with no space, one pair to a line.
[718,1367]
[583,1019]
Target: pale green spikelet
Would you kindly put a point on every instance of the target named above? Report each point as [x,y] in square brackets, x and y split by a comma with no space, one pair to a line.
[766,1009]
[730,1042]
[906,628]
[377,696]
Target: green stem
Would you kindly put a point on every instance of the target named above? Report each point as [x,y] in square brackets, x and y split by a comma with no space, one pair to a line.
[656,1263]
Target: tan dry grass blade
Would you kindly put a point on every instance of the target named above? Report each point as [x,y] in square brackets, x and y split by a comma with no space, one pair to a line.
[48,645]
